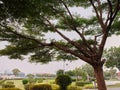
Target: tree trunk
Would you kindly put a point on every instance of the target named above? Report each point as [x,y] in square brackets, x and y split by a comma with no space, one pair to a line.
[100,78]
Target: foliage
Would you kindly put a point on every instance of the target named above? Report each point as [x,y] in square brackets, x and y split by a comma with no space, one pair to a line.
[113,57]
[16,71]
[82,83]
[89,86]
[74,88]
[80,73]
[8,85]
[110,73]
[25,81]
[41,87]
[60,72]
[70,73]
[40,80]
[63,81]
[89,71]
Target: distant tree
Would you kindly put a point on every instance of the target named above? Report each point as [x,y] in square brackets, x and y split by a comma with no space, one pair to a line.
[70,73]
[107,75]
[24,24]
[16,71]
[113,73]
[113,57]
[89,71]
[31,78]
[30,75]
[110,73]
[80,73]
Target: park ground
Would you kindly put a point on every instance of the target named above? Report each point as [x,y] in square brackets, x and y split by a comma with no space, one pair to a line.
[111,85]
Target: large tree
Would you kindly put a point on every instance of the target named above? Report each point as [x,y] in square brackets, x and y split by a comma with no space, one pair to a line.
[24,23]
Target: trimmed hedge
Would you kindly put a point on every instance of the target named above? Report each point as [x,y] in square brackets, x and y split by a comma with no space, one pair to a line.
[41,87]
[8,84]
[82,83]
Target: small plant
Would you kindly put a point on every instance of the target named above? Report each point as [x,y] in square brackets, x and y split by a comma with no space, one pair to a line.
[41,87]
[63,81]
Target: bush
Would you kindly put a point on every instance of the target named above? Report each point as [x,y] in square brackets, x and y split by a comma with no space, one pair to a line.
[40,80]
[41,87]
[73,79]
[89,86]
[63,81]
[8,85]
[74,88]
[25,81]
[9,82]
[81,83]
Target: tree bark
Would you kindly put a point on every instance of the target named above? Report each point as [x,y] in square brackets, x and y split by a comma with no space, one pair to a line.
[100,78]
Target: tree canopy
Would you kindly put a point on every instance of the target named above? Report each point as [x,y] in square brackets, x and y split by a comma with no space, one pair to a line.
[25,22]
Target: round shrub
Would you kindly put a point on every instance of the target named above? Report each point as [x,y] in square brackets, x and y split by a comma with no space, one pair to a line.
[63,81]
[41,87]
[25,81]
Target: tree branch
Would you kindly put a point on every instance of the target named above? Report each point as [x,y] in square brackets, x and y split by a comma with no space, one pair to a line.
[78,46]
[103,26]
[67,50]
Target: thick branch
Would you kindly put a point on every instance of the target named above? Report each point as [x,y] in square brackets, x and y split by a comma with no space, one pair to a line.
[67,50]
